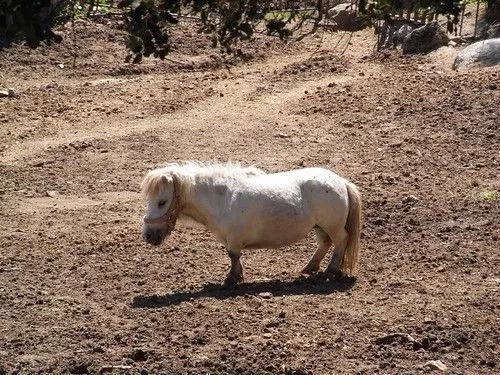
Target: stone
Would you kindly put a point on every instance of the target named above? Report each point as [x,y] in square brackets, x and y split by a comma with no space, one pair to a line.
[435,365]
[52,193]
[425,39]
[410,199]
[400,34]
[8,93]
[482,53]
[491,31]
[344,15]
[266,295]
[283,135]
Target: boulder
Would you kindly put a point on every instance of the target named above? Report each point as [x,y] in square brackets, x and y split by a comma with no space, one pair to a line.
[491,31]
[345,17]
[401,34]
[482,53]
[425,39]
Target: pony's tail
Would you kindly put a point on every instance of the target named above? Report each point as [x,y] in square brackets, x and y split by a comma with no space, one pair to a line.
[353,228]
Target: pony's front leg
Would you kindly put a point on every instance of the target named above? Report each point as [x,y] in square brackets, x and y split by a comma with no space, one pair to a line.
[235,274]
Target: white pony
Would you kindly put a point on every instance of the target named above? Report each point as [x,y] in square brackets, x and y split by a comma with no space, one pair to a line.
[247,208]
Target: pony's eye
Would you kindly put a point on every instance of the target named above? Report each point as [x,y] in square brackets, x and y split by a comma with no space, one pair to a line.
[161,203]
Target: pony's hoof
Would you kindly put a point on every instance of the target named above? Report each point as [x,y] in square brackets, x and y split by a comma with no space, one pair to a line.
[333,274]
[309,270]
[232,281]
[317,278]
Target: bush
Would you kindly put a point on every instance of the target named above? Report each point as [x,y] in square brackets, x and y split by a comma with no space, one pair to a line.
[31,20]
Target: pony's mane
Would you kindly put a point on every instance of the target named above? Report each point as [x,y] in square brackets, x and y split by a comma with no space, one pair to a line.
[150,185]
[212,169]
[187,171]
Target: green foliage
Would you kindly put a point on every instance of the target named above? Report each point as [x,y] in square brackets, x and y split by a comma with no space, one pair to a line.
[437,6]
[29,19]
[148,21]
[379,9]
[147,26]
[229,22]
[33,20]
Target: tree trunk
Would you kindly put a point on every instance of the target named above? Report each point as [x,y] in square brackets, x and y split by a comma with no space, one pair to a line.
[321,11]
[493,14]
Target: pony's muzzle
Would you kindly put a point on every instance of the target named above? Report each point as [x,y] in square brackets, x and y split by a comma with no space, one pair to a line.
[153,236]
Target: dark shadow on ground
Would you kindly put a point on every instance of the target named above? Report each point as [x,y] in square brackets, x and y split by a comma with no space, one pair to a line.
[267,289]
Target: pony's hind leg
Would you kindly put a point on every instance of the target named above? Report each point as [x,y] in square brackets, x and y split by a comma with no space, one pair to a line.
[235,274]
[339,241]
[324,242]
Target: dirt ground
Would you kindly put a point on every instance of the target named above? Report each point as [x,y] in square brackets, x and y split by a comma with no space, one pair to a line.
[80,292]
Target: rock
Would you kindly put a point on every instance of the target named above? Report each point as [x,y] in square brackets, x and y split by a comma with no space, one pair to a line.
[390,338]
[410,199]
[345,17]
[491,31]
[347,124]
[483,53]
[266,295]
[435,365]
[12,93]
[425,39]
[52,193]
[400,34]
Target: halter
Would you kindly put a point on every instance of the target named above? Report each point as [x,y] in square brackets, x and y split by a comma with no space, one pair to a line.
[173,211]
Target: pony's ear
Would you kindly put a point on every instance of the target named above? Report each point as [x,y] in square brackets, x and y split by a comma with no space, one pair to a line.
[165,180]
[154,183]
[169,180]
[177,184]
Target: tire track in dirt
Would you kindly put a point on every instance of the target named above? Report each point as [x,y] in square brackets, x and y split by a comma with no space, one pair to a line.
[58,202]
[239,103]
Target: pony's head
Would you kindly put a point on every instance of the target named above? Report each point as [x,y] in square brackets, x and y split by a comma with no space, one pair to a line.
[162,193]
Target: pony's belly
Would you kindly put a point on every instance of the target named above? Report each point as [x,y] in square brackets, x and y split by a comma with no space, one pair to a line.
[275,236]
